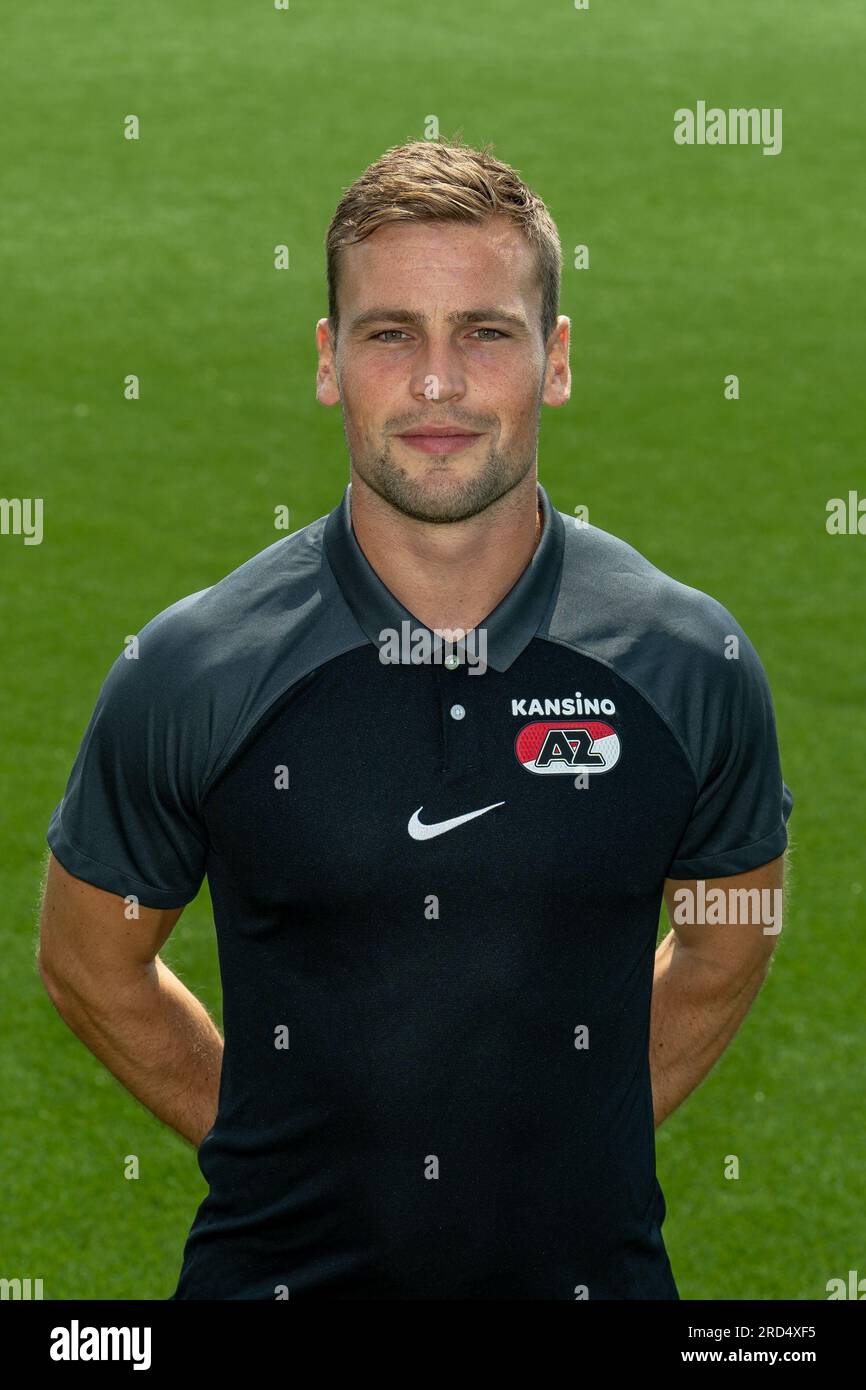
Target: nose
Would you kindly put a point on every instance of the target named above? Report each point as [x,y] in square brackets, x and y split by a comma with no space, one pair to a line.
[437,374]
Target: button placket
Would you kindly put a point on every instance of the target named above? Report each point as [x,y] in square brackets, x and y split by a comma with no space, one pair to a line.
[455,714]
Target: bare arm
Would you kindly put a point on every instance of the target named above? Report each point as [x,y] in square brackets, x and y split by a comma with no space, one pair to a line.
[104,977]
[706,977]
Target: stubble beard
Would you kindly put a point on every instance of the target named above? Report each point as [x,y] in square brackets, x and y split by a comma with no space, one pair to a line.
[460,498]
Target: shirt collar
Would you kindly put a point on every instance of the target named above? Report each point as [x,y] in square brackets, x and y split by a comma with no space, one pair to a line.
[509,628]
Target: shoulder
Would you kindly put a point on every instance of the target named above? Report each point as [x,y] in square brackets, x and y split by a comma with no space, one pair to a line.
[613,596]
[205,669]
[681,648]
[261,602]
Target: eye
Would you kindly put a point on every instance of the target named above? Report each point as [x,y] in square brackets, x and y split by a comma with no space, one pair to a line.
[383,333]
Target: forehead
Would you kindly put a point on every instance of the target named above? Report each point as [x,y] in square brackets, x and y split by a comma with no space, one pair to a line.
[406,262]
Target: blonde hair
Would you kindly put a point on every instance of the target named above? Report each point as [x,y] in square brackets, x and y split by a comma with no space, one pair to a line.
[444,181]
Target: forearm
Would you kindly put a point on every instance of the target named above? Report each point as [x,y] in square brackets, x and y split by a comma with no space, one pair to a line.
[696,1010]
[159,1041]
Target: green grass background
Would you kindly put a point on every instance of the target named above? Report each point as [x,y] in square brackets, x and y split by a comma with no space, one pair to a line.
[155,257]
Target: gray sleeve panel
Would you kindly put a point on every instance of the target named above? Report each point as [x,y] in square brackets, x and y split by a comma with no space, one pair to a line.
[167,723]
[669,642]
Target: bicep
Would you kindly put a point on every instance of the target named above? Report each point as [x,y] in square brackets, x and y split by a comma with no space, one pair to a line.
[732,922]
[86,933]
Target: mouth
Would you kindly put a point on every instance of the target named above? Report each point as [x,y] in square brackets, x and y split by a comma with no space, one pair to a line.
[442,439]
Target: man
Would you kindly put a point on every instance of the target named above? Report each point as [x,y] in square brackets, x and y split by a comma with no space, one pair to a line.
[440,754]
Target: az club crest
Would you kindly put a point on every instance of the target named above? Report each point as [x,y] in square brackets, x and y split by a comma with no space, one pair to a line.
[567,746]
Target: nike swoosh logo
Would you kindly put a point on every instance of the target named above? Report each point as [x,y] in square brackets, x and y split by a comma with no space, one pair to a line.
[428,832]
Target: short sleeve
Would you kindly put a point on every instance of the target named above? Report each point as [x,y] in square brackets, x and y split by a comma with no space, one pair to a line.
[129,820]
[739,819]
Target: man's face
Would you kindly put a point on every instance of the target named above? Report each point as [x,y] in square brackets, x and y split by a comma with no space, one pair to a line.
[409,356]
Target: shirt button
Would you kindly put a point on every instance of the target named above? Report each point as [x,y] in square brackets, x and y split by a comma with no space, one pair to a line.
[457,711]
[451,662]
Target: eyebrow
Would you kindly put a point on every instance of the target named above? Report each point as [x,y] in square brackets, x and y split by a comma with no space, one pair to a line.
[418,320]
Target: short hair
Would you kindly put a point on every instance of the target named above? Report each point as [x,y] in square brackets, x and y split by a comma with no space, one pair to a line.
[444,181]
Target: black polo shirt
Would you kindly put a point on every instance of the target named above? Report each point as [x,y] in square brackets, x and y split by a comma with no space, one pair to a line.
[436,888]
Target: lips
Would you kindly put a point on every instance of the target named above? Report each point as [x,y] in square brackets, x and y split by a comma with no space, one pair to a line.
[440,439]
[437,430]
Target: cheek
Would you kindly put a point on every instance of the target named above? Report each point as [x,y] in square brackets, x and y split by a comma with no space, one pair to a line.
[515,397]
[368,387]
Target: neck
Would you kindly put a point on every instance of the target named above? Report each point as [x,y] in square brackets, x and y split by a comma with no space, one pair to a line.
[449,576]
